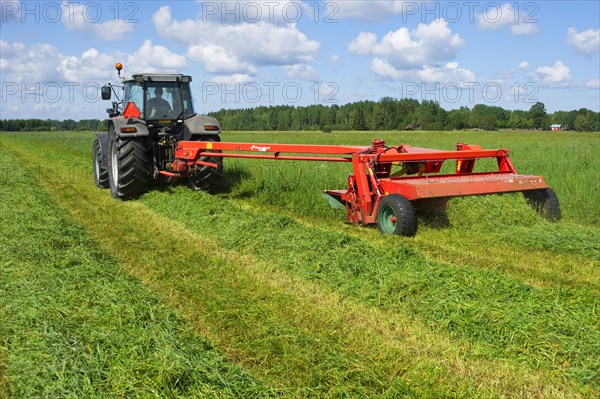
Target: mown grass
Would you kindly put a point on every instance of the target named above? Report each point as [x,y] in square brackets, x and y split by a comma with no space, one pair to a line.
[74,325]
[507,306]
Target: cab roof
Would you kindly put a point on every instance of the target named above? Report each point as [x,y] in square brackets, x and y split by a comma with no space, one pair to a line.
[160,77]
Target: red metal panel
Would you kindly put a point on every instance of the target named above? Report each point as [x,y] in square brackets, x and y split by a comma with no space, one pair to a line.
[275,157]
[414,188]
[257,147]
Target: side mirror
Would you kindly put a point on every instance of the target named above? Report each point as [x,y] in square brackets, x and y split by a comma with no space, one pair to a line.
[106,92]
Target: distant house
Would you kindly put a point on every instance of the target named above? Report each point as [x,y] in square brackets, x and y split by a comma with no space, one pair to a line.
[556,126]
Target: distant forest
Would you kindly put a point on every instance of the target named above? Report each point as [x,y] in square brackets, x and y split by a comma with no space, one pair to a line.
[385,114]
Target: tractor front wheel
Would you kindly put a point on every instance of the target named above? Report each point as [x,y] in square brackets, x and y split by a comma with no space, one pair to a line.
[100,173]
[128,166]
[396,215]
[545,202]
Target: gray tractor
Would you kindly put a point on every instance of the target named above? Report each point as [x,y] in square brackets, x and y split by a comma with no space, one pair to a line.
[155,113]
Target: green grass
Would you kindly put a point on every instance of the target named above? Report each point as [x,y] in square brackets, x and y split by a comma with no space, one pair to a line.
[73,324]
[495,303]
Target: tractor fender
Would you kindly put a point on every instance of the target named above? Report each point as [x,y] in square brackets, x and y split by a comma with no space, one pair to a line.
[197,126]
[103,139]
[120,122]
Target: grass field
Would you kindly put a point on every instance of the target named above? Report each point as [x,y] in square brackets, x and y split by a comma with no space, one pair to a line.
[264,291]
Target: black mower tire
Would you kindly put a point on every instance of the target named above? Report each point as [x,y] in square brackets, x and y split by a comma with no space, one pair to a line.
[545,202]
[396,215]
[207,178]
[100,173]
[129,174]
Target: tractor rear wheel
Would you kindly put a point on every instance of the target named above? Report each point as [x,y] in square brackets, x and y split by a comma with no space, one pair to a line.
[396,215]
[100,173]
[207,178]
[545,202]
[129,174]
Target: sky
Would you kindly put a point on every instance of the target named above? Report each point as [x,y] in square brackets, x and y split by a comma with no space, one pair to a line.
[55,55]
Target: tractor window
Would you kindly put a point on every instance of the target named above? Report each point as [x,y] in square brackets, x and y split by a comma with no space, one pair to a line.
[168,100]
[134,92]
[186,96]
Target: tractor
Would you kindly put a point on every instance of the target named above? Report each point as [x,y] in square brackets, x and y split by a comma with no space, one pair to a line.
[145,125]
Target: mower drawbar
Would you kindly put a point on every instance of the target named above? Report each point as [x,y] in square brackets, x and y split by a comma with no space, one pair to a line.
[378,194]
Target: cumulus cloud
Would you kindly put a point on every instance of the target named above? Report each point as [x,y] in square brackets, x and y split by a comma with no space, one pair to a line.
[593,84]
[301,72]
[233,79]
[44,63]
[240,48]
[74,18]
[449,73]
[557,75]
[35,63]
[424,54]
[218,59]
[507,15]
[427,44]
[586,42]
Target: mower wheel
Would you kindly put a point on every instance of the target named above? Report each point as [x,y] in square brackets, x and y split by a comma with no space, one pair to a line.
[100,173]
[545,202]
[129,173]
[396,215]
[207,178]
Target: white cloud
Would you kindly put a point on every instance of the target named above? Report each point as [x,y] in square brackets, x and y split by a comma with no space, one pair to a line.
[449,73]
[301,72]
[35,63]
[246,45]
[586,42]
[233,79]
[524,65]
[44,63]
[593,84]
[74,18]
[367,10]
[155,58]
[557,75]
[216,59]
[425,45]
[498,17]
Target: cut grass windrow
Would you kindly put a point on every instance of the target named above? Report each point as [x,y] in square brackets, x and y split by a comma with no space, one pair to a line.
[293,332]
[74,325]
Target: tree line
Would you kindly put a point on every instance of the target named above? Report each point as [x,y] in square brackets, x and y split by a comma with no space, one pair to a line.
[393,114]
[385,114]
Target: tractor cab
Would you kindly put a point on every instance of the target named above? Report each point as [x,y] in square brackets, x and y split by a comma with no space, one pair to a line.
[157,98]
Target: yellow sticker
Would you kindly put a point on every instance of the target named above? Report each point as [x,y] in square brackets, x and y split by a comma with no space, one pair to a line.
[209,146]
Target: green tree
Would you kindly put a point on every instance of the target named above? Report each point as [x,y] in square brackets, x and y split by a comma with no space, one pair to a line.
[537,113]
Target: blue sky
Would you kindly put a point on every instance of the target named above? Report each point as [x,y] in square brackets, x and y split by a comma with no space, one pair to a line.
[55,55]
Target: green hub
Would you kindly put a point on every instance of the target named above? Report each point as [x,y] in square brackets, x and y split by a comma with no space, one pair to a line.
[388,219]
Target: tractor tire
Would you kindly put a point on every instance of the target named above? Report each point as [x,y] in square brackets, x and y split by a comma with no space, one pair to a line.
[207,178]
[545,202]
[100,173]
[396,215]
[129,174]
